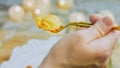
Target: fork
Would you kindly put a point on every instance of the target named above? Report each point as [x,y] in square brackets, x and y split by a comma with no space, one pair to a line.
[80,25]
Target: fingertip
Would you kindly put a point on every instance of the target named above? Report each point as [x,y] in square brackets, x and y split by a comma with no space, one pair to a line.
[94,18]
[108,21]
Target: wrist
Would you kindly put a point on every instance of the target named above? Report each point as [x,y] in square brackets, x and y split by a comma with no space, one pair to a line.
[49,63]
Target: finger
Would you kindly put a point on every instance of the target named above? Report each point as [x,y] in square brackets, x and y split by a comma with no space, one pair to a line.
[95,17]
[105,43]
[110,39]
[99,29]
[103,47]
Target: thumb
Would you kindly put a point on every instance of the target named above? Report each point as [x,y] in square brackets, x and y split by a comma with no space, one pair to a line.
[99,29]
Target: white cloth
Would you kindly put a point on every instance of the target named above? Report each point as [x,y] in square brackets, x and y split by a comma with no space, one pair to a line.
[30,54]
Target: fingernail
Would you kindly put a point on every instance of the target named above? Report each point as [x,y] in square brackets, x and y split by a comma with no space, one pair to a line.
[108,21]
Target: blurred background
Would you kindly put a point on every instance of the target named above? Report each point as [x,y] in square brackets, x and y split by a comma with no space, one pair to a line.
[20,15]
[18,25]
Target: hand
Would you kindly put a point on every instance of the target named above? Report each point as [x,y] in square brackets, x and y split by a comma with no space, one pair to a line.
[87,48]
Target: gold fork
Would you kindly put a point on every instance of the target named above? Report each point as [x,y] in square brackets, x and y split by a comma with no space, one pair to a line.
[80,25]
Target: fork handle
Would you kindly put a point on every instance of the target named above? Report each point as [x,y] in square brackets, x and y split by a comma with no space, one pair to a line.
[85,24]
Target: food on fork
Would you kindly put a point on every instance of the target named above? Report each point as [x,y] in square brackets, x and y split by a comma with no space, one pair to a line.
[53,24]
[49,23]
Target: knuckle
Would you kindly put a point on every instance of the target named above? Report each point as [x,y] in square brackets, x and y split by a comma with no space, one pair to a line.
[102,56]
[98,30]
[77,38]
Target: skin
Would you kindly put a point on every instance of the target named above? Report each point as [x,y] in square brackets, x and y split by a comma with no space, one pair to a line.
[86,48]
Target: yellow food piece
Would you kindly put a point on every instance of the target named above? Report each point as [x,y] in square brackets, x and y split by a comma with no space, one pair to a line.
[50,23]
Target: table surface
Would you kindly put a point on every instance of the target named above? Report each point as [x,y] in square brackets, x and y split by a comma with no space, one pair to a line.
[18,39]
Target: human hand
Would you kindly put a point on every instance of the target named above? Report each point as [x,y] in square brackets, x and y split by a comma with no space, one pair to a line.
[87,48]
